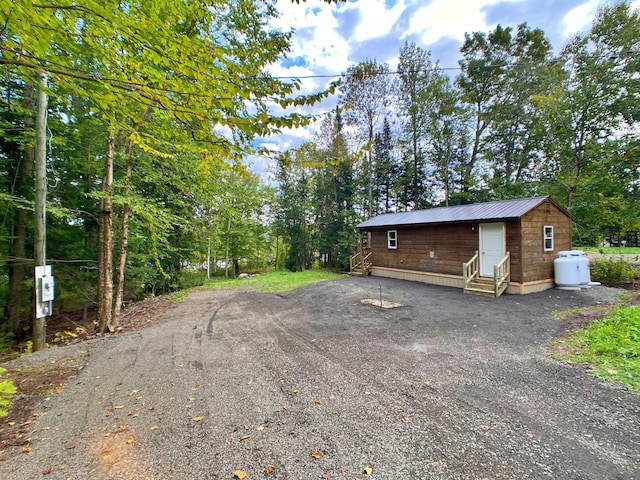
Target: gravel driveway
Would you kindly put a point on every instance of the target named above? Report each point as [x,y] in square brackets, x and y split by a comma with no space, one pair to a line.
[313,384]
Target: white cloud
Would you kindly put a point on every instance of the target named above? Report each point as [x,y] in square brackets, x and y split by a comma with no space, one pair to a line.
[450,18]
[377,21]
[580,17]
[321,44]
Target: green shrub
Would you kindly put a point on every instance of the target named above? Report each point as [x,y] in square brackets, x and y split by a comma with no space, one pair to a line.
[613,271]
[7,390]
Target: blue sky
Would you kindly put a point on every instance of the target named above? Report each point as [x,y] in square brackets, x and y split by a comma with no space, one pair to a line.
[330,38]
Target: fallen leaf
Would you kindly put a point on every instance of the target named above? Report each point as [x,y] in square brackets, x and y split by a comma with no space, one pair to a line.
[71,447]
[4,459]
[367,470]
[294,391]
[130,441]
[118,407]
[316,454]
[285,408]
[612,372]
[318,402]
[260,428]
[435,464]
[191,399]
[240,474]
[155,427]
[271,469]
[26,449]
[245,437]
[326,475]
[343,469]
[48,471]
[199,419]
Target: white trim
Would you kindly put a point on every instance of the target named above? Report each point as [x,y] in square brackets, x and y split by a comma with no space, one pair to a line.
[548,247]
[392,243]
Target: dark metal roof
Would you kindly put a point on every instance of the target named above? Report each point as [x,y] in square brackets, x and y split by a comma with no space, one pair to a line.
[500,210]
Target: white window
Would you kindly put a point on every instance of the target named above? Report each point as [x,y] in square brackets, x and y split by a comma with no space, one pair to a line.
[547,233]
[392,239]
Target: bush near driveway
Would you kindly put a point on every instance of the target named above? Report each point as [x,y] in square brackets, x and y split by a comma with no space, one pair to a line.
[614,271]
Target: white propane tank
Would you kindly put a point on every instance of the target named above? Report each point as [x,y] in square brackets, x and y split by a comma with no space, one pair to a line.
[566,271]
[584,267]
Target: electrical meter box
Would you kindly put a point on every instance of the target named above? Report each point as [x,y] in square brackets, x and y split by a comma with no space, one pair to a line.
[45,291]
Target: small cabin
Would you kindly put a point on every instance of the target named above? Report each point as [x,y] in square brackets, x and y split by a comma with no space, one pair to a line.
[485,248]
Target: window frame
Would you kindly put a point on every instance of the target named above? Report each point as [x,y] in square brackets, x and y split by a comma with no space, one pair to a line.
[547,238]
[392,243]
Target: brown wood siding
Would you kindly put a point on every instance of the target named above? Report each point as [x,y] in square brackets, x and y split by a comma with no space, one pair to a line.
[513,246]
[452,245]
[536,263]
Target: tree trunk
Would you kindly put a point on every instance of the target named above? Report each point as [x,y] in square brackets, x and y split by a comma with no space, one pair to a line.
[122,264]
[105,239]
[226,252]
[124,237]
[17,252]
[39,333]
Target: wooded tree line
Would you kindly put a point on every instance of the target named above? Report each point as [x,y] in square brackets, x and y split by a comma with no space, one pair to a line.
[153,107]
[515,120]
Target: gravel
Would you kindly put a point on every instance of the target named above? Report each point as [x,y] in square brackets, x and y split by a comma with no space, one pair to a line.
[446,386]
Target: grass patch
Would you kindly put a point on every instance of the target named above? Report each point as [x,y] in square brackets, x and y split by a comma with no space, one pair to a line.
[611,347]
[7,391]
[611,250]
[571,311]
[281,281]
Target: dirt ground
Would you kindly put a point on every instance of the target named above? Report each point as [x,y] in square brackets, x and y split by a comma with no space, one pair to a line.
[316,384]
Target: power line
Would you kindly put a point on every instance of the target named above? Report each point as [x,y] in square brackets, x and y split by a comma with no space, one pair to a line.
[447,69]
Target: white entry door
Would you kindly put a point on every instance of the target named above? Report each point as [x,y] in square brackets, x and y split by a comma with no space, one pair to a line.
[492,249]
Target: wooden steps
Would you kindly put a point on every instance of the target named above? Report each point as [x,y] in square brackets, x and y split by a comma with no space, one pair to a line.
[359,272]
[481,286]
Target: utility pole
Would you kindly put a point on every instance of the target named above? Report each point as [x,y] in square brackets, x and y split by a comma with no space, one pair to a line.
[40,227]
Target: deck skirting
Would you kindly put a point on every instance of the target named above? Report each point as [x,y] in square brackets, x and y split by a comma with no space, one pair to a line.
[456,281]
